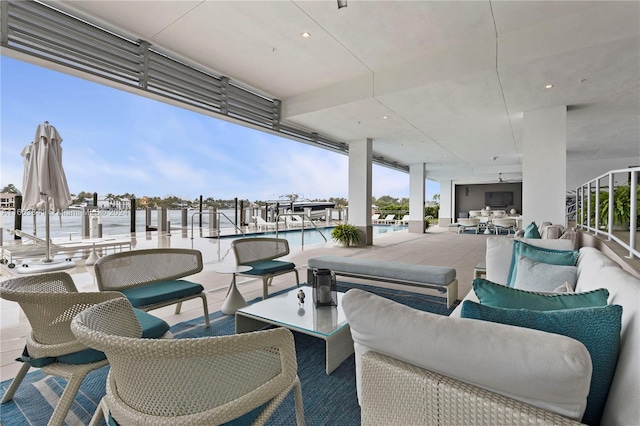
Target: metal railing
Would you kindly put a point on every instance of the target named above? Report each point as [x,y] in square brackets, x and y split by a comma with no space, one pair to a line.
[607,207]
[305,218]
[218,214]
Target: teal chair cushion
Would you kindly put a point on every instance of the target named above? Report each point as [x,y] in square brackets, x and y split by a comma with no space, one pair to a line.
[598,328]
[161,291]
[86,356]
[266,267]
[152,327]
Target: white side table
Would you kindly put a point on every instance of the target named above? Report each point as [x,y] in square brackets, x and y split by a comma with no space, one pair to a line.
[234,299]
[480,270]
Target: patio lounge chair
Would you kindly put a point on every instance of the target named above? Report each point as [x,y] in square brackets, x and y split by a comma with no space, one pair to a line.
[404,220]
[50,302]
[375,218]
[36,247]
[298,222]
[389,219]
[204,381]
[263,225]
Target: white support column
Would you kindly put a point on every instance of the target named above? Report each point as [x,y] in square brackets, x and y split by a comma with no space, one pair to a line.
[417,184]
[446,203]
[360,178]
[544,165]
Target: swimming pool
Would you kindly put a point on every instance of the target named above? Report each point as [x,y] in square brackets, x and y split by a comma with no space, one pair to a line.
[313,236]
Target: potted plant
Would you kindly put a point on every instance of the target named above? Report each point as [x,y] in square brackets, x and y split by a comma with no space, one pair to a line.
[621,207]
[347,235]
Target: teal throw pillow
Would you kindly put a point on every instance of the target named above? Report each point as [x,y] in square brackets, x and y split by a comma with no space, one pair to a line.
[531,231]
[598,328]
[501,296]
[539,254]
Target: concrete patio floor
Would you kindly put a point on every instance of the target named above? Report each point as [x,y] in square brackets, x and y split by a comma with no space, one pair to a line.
[437,247]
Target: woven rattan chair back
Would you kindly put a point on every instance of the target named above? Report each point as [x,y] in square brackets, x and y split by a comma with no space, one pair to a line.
[249,250]
[127,269]
[50,302]
[206,381]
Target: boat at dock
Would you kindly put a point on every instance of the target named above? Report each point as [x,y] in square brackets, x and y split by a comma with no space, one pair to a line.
[313,209]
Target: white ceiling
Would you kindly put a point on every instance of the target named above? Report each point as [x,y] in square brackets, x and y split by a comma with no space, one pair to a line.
[453,77]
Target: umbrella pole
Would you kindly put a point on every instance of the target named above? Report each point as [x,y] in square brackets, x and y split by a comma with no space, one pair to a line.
[46,226]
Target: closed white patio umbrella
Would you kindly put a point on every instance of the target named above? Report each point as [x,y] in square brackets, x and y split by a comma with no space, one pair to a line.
[44,182]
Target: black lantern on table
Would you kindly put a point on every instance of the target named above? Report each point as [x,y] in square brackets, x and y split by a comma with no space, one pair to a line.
[325,290]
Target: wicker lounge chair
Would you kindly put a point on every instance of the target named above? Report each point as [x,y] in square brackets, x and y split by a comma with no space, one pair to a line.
[260,254]
[204,381]
[50,301]
[150,278]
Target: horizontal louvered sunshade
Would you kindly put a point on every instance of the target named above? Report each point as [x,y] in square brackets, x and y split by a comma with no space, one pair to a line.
[41,31]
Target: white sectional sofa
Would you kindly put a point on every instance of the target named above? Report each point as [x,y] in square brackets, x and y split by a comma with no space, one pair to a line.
[419,368]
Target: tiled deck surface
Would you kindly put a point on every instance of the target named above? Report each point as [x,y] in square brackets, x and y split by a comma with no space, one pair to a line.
[437,247]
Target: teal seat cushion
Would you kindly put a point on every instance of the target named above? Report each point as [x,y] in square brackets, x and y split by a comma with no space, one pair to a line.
[598,328]
[531,231]
[501,296]
[266,267]
[539,254]
[152,327]
[86,356]
[161,291]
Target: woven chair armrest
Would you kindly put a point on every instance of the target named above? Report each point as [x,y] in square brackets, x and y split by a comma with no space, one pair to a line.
[395,392]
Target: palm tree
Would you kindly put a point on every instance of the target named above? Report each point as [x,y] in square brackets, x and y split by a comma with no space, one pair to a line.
[10,189]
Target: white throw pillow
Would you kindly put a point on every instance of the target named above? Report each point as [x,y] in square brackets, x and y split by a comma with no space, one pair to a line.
[543,277]
[546,370]
[500,251]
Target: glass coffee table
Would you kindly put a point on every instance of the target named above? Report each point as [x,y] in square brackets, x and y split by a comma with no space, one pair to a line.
[285,310]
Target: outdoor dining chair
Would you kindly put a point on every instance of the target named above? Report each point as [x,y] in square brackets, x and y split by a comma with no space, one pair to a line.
[50,301]
[204,381]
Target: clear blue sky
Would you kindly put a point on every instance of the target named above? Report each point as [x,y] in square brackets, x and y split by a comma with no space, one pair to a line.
[117,142]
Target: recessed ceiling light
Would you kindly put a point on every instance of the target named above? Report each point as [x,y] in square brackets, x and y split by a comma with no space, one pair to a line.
[305,35]
[384,117]
[548,86]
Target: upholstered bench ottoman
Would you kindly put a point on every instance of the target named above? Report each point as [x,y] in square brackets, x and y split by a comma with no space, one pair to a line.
[440,278]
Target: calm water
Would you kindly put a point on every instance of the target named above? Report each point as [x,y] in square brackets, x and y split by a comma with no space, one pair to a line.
[118,222]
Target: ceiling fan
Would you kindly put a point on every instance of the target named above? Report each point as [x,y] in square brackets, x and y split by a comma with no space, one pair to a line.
[501,180]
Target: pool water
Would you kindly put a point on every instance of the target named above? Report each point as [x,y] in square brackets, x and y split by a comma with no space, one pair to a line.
[313,236]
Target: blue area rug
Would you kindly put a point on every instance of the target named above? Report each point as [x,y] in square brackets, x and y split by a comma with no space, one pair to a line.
[328,400]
